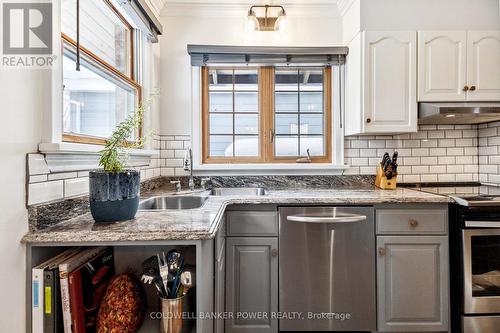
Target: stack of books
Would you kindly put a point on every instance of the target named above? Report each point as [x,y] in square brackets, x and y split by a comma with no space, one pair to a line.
[68,288]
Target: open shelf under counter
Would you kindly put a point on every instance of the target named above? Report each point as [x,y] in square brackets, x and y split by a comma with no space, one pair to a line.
[130,255]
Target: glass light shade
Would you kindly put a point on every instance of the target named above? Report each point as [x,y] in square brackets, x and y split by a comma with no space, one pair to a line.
[252,22]
[281,23]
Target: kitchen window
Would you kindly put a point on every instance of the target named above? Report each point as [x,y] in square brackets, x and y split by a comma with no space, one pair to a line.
[273,114]
[105,90]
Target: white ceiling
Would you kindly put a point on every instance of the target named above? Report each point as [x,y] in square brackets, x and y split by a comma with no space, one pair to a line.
[254,2]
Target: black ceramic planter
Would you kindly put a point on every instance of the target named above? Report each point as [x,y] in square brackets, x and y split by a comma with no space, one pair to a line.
[114,196]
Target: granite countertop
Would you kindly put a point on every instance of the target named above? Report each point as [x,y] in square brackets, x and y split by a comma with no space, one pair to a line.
[203,223]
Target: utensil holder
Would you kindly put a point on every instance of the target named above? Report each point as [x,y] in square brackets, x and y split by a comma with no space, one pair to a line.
[382,182]
[175,315]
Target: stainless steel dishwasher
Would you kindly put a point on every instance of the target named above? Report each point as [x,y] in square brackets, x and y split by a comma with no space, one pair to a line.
[327,269]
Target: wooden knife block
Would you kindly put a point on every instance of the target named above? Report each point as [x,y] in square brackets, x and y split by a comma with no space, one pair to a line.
[382,182]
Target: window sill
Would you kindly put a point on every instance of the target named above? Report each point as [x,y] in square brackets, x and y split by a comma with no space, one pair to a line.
[270,169]
[67,156]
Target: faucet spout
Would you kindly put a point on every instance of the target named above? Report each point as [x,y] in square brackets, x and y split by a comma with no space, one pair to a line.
[188,166]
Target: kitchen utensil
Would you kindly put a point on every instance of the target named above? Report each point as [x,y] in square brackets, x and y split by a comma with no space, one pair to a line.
[177,277]
[150,270]
[163,270]
[160,288]
[173,259]
[188,279]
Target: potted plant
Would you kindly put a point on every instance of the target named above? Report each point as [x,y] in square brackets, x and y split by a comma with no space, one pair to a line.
[114,190]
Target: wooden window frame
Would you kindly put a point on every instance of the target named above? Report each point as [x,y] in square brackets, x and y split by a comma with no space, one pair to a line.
[266,120]
[99,62]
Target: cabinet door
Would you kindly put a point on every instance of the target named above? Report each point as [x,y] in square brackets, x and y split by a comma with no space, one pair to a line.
[412,286]
[442,65]
[251,284]
[390,103]
[483,65]
[220,285]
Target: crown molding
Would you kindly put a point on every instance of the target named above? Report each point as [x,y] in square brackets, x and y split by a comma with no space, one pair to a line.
[227,8]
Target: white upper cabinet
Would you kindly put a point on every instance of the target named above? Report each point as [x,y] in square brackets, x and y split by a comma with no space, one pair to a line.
[381,83]
[442,65]
[458,66]
[483,65]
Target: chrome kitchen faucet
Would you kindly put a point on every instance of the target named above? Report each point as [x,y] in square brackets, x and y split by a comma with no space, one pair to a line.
[188,166]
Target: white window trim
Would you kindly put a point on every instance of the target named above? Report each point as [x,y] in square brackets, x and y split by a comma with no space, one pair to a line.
[336,167]
[51,119]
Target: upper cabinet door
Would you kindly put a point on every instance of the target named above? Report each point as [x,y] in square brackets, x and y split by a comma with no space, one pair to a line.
[390,104]
[442,65]
[483,65]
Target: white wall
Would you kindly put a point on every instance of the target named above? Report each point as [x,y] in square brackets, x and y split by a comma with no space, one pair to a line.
[430,15]
[24,92]
[183,26]
[418,15]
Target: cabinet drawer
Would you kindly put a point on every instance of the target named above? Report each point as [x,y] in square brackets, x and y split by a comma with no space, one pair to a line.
[412,221]
[252,223]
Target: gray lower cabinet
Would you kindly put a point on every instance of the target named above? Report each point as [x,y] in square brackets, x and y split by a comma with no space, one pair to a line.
[220,285]
[251,284]
[412,285]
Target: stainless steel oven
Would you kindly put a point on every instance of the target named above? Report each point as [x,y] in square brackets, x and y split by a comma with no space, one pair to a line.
[481,276]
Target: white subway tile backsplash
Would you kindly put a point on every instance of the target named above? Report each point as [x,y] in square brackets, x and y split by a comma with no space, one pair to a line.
[38,178]
[485,132]
[359,144]
[175,145]
[435,134]
[174,162]
[167,172]
[455,151]
[428,178]
[63,175]
[37,165]
[488,150]
[367,153]
[446,160]
[453,134]
[429,143]
[376,144]
[359,161]
[429,160]
[446,143]
[446,177]
[44,192]
[420,152]
[76,187]
[454,168]
[437,151]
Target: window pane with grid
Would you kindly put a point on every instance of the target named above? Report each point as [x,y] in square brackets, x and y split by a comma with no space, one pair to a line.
[299,112]
[233,120]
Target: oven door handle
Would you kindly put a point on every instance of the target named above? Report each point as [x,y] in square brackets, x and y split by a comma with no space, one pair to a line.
[342,218]
[482,224]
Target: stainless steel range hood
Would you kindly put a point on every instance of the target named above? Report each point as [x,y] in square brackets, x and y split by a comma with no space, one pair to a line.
[458,113]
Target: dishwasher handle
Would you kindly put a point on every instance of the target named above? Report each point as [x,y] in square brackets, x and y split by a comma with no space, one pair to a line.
[339,218]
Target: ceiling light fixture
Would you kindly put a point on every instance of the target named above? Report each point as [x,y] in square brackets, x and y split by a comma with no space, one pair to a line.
[269,19]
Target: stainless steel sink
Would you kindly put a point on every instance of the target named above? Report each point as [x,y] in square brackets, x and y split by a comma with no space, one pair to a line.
[239,191]
[172,202]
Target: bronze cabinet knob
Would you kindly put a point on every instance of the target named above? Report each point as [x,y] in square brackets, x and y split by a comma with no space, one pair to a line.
[413,223]
[472,88]
[466,88]
[382,251]
[368,120]
[274,252]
